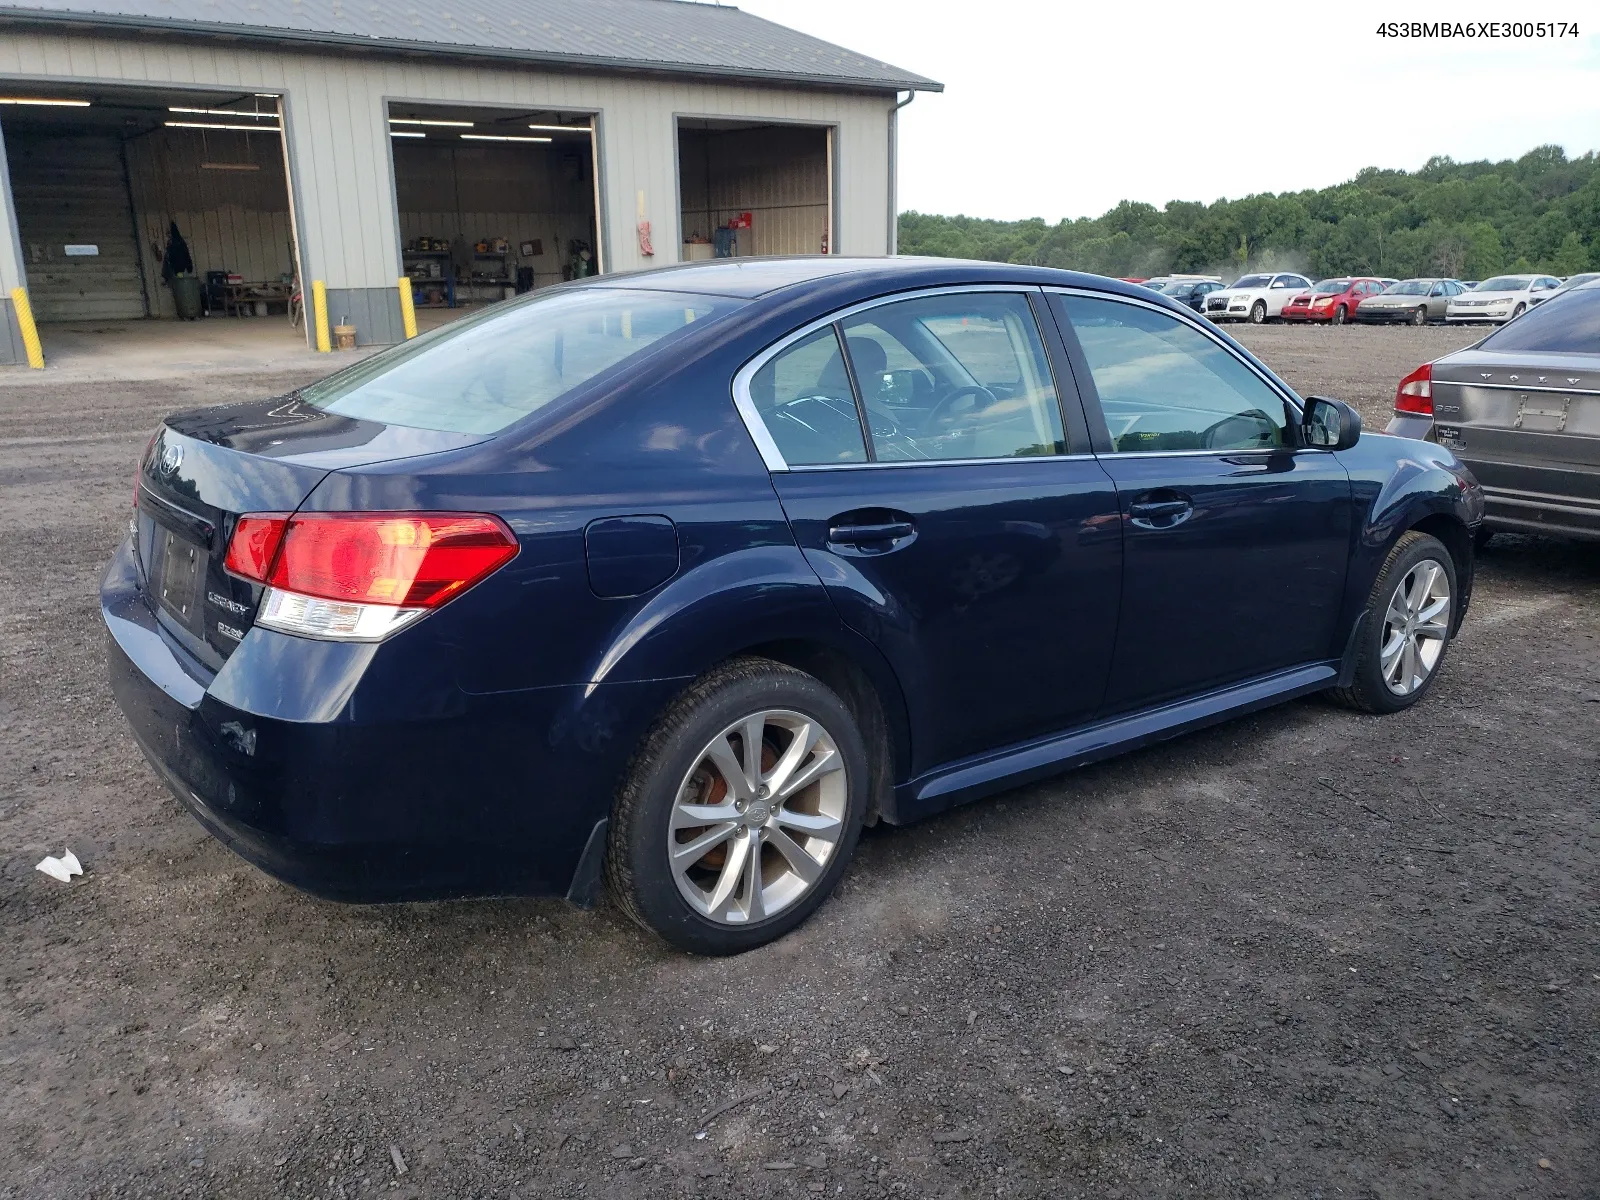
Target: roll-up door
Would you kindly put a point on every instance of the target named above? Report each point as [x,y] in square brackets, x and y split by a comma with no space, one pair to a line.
[75,219]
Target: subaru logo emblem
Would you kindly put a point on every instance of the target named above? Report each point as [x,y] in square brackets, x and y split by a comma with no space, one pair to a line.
[171,458]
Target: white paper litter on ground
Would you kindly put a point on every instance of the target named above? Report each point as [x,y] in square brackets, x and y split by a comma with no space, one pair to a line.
[63,868]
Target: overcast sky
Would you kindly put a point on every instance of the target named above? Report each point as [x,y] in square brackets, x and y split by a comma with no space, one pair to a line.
[1062,109]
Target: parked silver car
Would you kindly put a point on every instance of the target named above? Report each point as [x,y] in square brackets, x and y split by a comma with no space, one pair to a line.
[1413,301]
[1522,409]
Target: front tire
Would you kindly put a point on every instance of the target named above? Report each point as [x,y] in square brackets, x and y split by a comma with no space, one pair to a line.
[1420,317]
[1518,311]
[1409,615]
[1258,314]
[740,810]
[1341,315]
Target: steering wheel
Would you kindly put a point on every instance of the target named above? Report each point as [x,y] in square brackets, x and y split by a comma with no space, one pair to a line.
[940,413]
[1249,430]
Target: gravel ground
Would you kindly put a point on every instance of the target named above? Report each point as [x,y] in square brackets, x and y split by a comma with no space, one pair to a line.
[1307,953]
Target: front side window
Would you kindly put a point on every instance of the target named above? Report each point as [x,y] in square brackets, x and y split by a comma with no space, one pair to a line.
[954,377]
[489,370]
[1165,386]
[804,399]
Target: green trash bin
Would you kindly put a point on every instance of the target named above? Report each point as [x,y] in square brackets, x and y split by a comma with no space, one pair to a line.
[186,296]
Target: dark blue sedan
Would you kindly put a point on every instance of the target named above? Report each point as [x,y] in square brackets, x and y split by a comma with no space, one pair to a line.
[672,581]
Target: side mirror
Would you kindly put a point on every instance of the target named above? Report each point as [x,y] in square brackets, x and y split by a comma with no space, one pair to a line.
[1330,424]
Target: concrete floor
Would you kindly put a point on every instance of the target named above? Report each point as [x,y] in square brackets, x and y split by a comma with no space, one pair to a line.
[112,351]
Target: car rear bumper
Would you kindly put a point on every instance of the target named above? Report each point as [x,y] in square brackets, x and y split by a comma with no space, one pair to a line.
[1557,501]
[377,795]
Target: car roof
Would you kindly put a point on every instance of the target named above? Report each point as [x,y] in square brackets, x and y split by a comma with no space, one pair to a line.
[750,278]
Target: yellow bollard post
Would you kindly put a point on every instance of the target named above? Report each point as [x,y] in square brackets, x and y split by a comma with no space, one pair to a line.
[30,331]
[319,304]
[408,309]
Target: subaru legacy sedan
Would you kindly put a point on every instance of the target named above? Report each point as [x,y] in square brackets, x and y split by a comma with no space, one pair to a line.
[673,581]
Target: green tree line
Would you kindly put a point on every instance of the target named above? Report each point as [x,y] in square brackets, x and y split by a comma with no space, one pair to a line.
[1540,212]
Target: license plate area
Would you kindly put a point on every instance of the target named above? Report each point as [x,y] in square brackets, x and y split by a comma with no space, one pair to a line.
[181,579]
[1450,435]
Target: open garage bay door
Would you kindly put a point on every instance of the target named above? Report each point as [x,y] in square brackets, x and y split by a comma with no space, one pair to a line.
[748,188]
[492,202]
[100,176]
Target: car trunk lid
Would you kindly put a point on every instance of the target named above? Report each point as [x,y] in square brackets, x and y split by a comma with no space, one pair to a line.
[207,467]
[1540,410]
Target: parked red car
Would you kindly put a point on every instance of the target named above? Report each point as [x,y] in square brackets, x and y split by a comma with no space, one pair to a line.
[1332,300]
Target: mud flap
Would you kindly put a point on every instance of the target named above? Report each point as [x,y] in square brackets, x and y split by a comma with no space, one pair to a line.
[587,881]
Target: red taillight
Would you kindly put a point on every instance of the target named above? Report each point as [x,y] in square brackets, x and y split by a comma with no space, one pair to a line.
[404,560]
[255,544]
[1415,393]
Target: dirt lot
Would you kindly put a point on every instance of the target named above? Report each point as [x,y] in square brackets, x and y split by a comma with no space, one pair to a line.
[1304,954]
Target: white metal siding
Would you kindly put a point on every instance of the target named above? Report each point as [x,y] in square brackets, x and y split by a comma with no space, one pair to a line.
[338,138]
[73,190]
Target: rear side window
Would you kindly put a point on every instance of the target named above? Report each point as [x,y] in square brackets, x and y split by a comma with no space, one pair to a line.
[1566,324]
[1165,386]
[803,395]
[489,370]
[953,377]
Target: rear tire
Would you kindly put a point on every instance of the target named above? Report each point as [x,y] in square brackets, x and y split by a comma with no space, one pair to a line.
[1420,317]
[1409,615]
[1341,315]
[767,857]
[1258,313]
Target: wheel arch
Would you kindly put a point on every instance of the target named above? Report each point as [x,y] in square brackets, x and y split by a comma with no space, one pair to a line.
[871,692]
[1453,533]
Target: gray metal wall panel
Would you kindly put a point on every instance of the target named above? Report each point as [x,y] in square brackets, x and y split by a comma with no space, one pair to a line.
[337,116]
[375,312]
[11,269]
[11,348]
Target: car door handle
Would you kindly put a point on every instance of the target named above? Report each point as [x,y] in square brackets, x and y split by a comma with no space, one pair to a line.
[1160,514]
[857,535]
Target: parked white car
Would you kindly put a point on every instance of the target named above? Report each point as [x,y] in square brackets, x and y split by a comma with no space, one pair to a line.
[1574,281]
[1255,298]
[1501,299]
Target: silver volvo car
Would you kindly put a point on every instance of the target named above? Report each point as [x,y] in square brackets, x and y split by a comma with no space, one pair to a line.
[1522,409]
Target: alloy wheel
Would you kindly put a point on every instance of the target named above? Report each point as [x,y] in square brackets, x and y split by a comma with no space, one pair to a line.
[758,816]
[1415,628]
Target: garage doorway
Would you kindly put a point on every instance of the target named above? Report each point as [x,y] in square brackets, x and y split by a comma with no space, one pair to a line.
[138,203]
[749,188]
[492,202]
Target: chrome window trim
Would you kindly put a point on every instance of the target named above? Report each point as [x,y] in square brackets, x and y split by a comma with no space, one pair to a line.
[942,462]
[1519,387]
[1206,329]
[745,403]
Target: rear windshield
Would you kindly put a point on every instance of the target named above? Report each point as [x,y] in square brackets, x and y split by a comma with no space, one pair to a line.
[1565,324]
[487,371]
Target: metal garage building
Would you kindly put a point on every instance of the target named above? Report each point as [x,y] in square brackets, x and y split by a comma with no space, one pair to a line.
[444,153]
